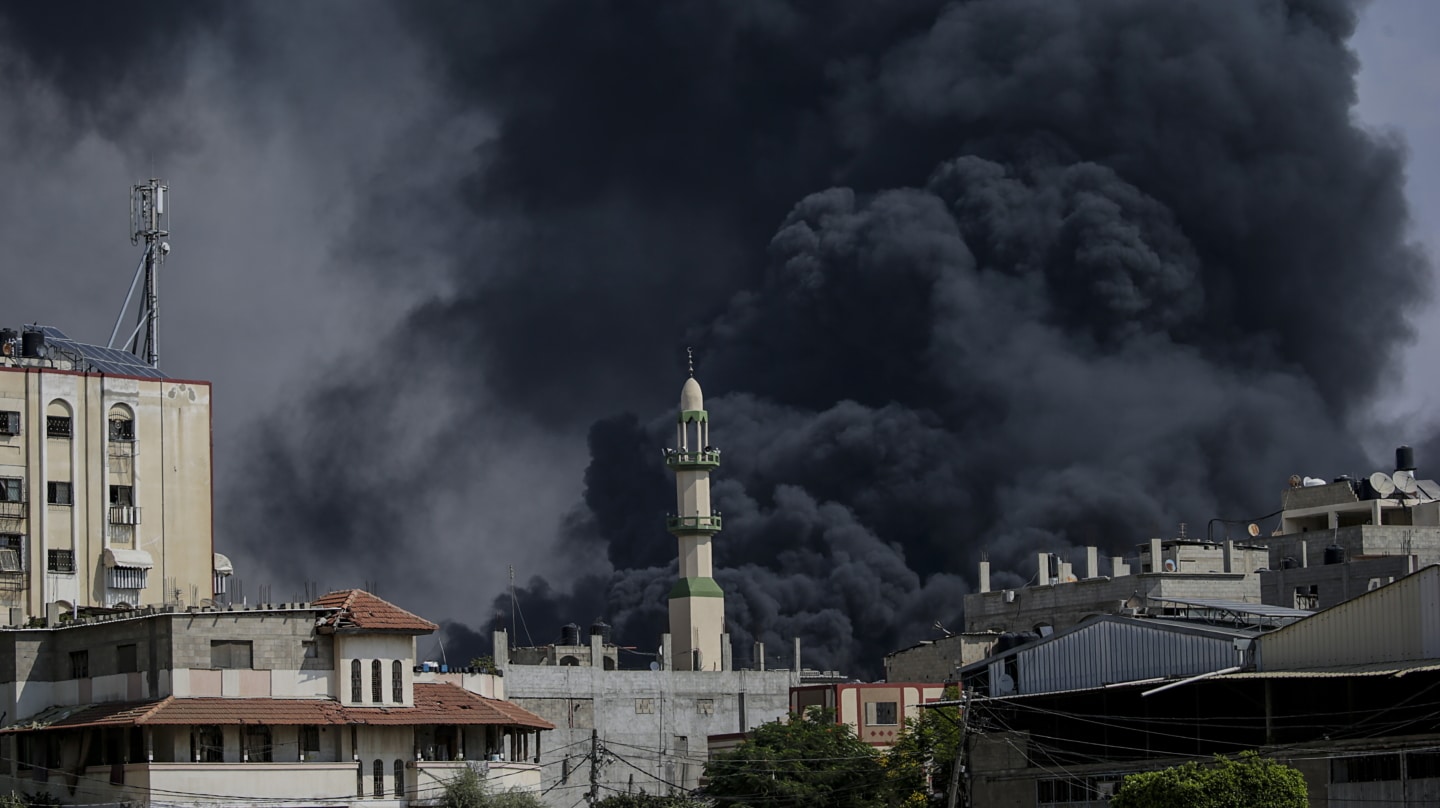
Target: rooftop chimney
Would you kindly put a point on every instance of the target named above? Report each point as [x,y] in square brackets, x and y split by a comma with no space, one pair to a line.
[1092,562]
[1044,573]
[984,576]
[1157,564]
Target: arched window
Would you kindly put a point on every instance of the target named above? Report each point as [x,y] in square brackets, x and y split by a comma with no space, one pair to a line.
[397,682]
[122,424]
[379,790]
[355,689]
[399,778]
[377,685]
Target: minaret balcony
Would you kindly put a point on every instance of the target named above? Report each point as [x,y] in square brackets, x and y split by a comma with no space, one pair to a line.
[679,460]
[693,524]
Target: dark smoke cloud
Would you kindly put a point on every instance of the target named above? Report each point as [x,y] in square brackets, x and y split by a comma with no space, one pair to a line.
[976,275]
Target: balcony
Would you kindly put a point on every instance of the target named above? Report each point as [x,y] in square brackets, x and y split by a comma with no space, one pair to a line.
[707,458]
[693,524]
[125,514]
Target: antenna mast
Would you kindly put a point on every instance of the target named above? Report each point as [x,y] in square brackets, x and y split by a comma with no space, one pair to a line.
[149,222]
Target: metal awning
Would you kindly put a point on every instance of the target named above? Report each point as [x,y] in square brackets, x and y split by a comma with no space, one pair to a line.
[223,565]
[129,559]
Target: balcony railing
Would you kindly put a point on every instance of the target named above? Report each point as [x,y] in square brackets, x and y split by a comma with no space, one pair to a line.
[703,458]
[125,514]
[698,524]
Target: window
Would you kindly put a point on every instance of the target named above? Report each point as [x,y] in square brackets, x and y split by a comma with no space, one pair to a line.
[122,496]
[126,659]
[399,778]
[11,490]
[230,654]
[9,422]
[57,426]
[881,713]
[355,686]
[60,560]
[57,493]
[397,682]
[644,706]
[207,745]
[310,742]
[379,789]
[12,552]
[377,685]
[79,664]
[122,429]
[258,748]
[1422,765]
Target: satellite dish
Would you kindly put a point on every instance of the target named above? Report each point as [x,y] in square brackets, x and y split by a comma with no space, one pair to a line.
[1169,565]
[654,666]
[1405,481]
[1381,482]
[1253,530]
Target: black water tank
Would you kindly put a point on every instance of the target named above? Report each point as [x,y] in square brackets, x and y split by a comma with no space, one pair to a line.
[32,344]
[569,634]
[1289,563]
[1334,554]
[601,628]
[1404,458]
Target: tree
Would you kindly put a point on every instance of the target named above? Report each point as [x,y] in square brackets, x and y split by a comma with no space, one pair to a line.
[1248,781]
[926,746]
[648,801]
[469,790]
[806,761]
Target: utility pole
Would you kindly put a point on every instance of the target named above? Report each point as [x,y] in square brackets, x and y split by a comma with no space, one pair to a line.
[594,794]
[957,772]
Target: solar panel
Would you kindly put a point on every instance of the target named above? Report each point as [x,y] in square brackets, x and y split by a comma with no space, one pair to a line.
[99,359]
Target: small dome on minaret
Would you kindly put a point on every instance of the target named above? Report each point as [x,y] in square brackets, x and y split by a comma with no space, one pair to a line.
[690,396]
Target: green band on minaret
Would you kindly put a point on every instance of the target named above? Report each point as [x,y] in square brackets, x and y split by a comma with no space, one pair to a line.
[696,588]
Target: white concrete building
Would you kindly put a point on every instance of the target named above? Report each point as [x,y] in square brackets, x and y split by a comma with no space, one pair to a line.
[289,705]
[105,481]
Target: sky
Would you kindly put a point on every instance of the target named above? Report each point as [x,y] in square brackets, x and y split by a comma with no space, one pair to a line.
[961,278]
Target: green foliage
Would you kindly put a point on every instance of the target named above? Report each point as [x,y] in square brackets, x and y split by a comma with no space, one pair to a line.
[927,743]
[808,761]
[486,664]
[1248,781]
[468,790]
[13,800]
[648,801]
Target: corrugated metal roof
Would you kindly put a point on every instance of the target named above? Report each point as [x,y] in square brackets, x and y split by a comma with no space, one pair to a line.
[1111,650]
[1373,669]
[1395,623]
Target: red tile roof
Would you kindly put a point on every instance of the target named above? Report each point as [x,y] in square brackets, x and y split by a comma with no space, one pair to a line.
[358,610]
[435,703]
[441,703]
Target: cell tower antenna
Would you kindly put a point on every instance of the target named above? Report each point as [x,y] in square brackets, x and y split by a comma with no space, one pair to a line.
[149,222]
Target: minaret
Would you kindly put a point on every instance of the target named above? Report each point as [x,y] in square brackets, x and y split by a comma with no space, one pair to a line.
[697,606]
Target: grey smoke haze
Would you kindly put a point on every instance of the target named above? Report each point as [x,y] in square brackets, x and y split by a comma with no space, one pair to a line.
[982,275]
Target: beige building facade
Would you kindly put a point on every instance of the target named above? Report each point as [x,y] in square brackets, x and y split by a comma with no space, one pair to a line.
[105,482]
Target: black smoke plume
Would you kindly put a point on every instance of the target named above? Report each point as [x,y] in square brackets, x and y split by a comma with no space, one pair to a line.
[960,276]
